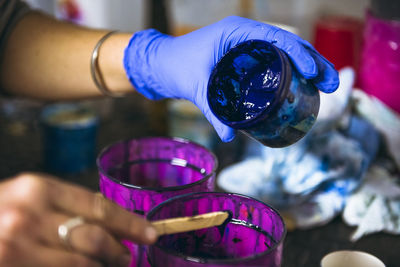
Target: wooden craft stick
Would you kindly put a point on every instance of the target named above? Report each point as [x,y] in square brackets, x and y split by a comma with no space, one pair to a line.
[186,224]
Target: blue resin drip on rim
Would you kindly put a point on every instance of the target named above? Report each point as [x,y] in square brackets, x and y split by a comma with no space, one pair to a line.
[246,82]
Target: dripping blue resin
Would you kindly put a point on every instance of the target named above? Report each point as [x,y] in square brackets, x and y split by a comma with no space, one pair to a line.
[255,88]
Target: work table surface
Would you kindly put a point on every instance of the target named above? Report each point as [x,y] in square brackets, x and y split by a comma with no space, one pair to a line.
[131,118]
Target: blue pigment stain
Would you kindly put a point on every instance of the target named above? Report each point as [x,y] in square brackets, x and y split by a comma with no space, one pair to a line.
[209,244]
[222,227]
[247,83]
[255,88]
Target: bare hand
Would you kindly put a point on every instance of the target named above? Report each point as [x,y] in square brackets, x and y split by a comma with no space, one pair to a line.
[32,206]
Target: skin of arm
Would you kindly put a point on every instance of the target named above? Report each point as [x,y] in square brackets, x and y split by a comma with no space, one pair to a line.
[48,59]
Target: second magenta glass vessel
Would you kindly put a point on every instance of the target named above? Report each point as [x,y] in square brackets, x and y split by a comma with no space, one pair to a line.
[253,236]
[139,174]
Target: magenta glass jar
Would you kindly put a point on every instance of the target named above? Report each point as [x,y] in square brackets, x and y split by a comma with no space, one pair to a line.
[252,237]
[139,174]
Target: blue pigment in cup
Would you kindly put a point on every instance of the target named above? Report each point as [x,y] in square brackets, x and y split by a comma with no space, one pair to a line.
[69,138]
[255,88]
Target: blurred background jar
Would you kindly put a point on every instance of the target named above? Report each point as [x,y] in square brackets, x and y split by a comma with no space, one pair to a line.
[69,133]
[185,120]
[339,39]
[380,59]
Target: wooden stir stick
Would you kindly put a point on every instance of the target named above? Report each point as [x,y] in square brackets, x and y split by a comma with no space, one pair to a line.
[190,223]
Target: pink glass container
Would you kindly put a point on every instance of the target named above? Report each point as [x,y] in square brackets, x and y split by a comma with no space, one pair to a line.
[139,174]
[252,237]
[380,68]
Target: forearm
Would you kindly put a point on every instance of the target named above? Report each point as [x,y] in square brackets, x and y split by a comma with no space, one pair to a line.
[49,59]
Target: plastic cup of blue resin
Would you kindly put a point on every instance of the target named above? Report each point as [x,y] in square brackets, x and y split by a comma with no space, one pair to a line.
[255,88]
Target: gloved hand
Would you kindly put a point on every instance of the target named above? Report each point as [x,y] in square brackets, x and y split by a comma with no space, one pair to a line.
[162,66]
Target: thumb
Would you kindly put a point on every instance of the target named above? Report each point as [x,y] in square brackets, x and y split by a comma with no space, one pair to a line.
[225,133]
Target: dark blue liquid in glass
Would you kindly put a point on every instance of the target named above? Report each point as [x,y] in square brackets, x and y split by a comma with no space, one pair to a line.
[209,243]
[254,88]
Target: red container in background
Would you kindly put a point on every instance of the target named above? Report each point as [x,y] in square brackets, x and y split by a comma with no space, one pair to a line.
[339,39]
[380,62]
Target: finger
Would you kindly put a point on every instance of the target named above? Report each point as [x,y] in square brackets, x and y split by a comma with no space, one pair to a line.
[312,48]
[30,253]
[307,60]
[46,256]
[286,41]
[10,253]
[29,190]
[327,79]
[299,55]
[87,239]
[225,133]
[81,202]
[17,223]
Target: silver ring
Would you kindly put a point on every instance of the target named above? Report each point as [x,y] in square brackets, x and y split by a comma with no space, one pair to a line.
[65,229]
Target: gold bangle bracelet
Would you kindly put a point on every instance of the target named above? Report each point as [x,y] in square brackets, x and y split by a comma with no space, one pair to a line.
[94,69]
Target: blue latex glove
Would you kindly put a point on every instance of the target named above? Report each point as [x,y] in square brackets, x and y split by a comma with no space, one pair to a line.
[162,66]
